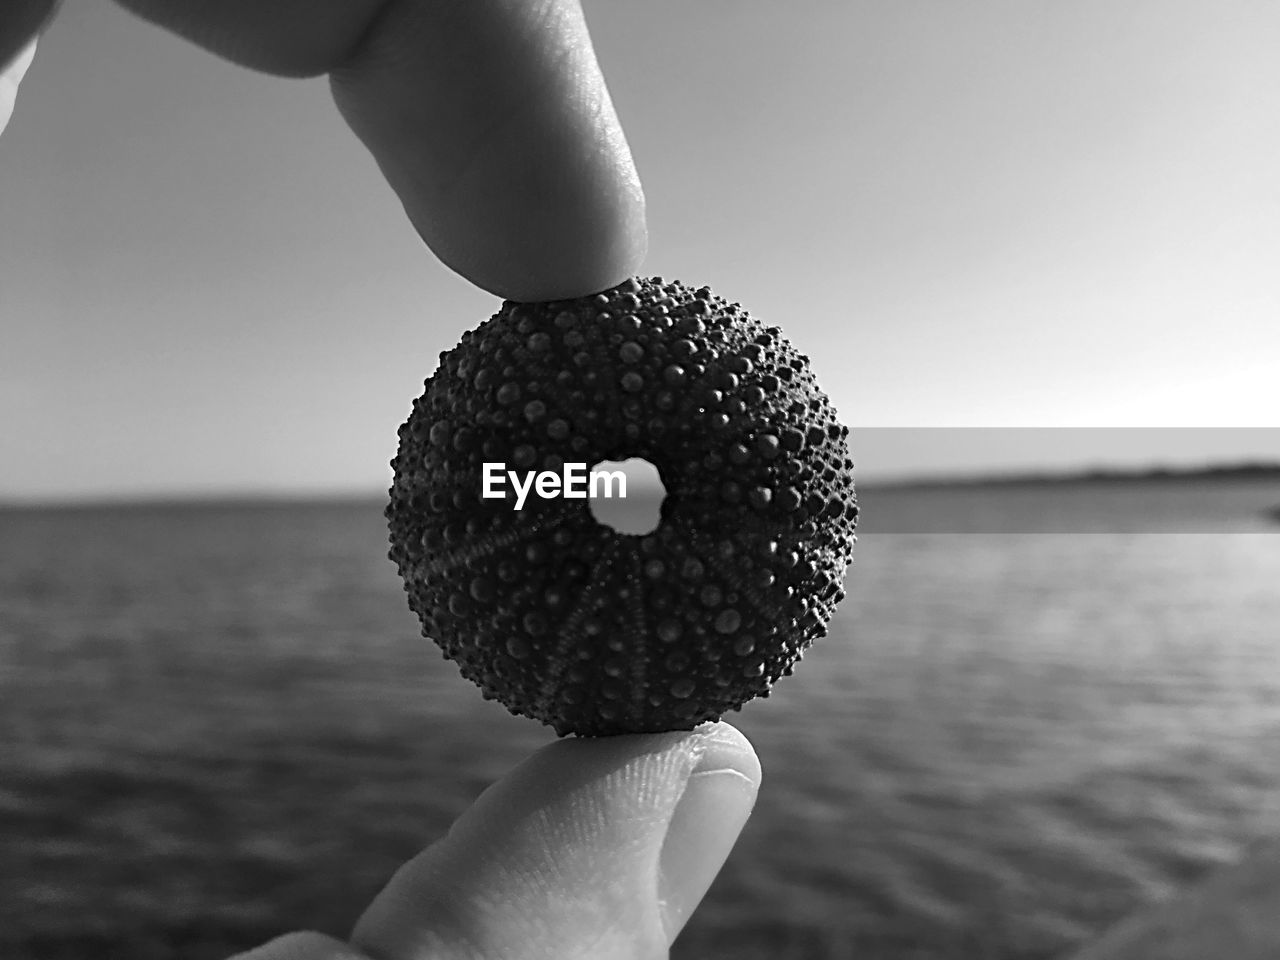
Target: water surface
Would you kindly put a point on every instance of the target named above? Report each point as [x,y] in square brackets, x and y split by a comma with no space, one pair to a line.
[219,722]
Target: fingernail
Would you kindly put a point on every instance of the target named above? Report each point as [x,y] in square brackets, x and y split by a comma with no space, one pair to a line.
[710,815]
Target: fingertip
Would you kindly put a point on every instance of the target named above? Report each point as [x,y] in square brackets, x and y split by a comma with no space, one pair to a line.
[653,765]
[569,250]
[534,245]
[725,747]
[492,123]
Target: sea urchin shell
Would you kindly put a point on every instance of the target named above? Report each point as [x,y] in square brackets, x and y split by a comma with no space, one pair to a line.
[560,617]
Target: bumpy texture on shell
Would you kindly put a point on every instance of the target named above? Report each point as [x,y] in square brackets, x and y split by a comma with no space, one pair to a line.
[565,620]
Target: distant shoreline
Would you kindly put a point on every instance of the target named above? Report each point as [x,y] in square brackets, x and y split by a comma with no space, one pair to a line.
[1098,475]
[1248,471]
[196,501]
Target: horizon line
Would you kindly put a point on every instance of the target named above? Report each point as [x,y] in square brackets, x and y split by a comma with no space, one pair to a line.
[1227,470]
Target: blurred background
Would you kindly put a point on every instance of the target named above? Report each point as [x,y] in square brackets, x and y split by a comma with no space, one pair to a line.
[1030,248]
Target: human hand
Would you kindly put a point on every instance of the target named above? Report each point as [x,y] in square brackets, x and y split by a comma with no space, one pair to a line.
[591,848]
[491,121]
[489,118]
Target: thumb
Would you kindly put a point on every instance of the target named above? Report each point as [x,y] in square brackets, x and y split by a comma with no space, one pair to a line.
[594,848]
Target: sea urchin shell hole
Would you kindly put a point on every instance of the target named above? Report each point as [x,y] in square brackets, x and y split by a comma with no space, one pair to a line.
[592,626]
[627,497]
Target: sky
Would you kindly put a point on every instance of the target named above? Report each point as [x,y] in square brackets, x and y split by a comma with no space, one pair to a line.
[999,213]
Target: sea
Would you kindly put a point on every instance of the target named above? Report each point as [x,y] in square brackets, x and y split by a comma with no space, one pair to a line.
[1042,707]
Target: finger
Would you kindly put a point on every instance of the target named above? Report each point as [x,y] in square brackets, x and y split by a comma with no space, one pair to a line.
[592,847]
[10,77]
[489,118]
[20,21]
[494,126]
